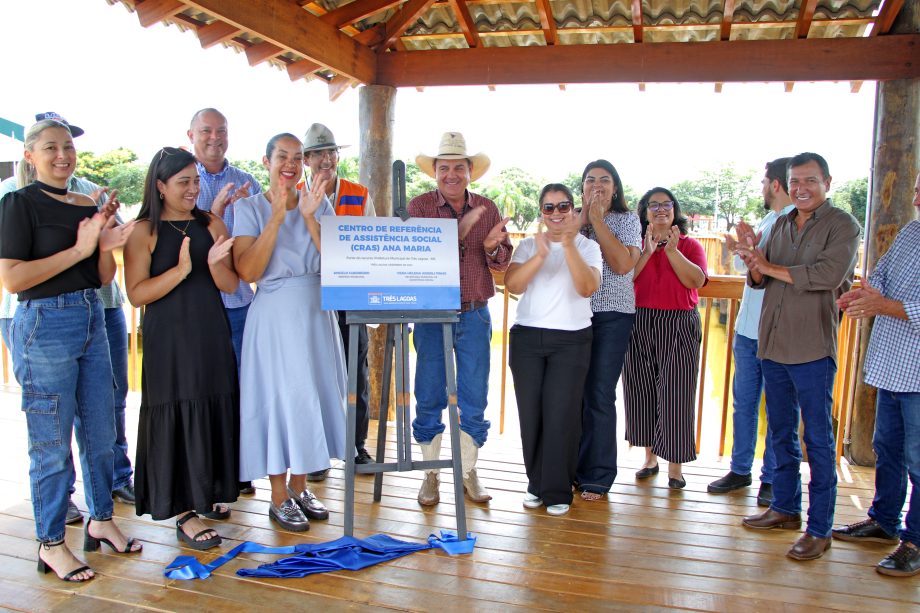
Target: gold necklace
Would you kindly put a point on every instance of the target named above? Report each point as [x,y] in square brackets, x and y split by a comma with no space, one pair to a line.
[183,230]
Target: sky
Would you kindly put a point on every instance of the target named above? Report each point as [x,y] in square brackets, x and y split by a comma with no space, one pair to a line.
[135,87]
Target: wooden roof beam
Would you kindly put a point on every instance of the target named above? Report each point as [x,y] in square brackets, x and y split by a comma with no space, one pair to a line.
[150,12]
[262,52]
[886,16]
[302,69]
[806,14]
[404,17]
[338,85]
[547,21]
[294,29]
[728,14]
[637,20]
[817,59]
[216,32]
[357,10]
[465,21]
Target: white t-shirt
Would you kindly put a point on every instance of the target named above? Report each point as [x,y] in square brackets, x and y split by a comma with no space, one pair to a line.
[550,301]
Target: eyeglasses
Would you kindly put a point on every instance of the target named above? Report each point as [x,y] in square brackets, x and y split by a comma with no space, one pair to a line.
[563,207]
[667,205]
[325,153]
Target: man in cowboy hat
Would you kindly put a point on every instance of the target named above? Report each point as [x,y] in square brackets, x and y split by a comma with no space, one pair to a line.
[484,246]
[116,331]
[321,156]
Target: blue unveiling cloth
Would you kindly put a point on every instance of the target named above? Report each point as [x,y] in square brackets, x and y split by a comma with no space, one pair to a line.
[346,553]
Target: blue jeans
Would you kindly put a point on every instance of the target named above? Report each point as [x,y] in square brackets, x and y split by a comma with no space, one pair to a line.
[237,319]
[597,453]
[472,350]
[5,324]
[793,389]
[117,334]
[897,447]
[747,386]
[61,360]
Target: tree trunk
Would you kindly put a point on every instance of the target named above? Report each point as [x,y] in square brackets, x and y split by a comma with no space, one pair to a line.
[376,120]
[894,168]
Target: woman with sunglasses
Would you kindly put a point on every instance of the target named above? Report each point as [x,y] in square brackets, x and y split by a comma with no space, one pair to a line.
[556,272]
[55,251]
[293,370]
[188,432]
[616,229]
[662,363]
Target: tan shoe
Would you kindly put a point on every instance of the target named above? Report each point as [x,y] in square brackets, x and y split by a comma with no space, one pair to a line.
[469,454]
[429,493]
[474,489]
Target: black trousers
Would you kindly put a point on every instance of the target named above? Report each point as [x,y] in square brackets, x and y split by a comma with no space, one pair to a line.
[549,369]
[362,412]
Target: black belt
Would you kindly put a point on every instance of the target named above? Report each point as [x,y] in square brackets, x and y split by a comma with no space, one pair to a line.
[472,306]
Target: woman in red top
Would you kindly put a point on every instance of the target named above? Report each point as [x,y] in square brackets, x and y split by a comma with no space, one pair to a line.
[659,376]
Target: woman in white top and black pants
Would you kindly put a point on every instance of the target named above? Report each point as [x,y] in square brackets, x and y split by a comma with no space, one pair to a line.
[557,271]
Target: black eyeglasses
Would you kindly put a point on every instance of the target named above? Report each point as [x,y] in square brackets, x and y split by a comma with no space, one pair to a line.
[563,207]
[667,205]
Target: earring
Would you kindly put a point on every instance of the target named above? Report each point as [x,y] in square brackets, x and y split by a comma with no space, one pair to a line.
[161,195]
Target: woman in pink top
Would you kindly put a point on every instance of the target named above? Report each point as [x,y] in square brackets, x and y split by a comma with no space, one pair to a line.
[659,376]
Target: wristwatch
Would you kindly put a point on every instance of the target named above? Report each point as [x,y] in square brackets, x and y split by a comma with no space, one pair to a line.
[494,252]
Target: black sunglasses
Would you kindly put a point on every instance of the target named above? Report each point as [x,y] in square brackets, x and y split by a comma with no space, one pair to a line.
[563,207]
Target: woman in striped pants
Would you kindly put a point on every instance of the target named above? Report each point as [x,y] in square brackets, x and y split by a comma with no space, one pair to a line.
[659,376]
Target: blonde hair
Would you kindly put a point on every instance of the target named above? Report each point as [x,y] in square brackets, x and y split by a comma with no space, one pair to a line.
[25,173]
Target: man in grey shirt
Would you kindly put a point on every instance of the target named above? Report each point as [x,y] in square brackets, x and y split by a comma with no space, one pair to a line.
[806,265]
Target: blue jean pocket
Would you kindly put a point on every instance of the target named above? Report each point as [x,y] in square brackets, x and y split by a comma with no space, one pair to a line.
[42,418]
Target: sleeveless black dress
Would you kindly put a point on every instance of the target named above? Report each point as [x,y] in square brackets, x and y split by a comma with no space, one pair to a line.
[188,434]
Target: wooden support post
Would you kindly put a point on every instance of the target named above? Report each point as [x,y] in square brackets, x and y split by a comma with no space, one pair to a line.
[895,161]
[376,112]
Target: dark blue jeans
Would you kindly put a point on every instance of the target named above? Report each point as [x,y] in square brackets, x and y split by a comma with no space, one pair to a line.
[61,360]
[897,447]
[117,334]
[597,453]
[236,317]
[747,386]
[793,389]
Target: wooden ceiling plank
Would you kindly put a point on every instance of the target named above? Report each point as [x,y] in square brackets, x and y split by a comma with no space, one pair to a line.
[373,36]
[356,11]
[806,15]
[547,21]
[855,86]
[215,33]
[818,59]
[262,52]
[788,85]
[718,87]
[338,85]
[302,69]
[465,21]
[292,28]
[637,20]
[728,14]
[150,12]
[404,17]
[562,87]
[886,16]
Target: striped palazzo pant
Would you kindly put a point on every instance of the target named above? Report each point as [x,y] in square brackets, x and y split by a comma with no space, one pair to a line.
[659,382]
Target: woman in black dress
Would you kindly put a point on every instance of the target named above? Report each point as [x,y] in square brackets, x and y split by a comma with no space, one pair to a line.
[188,436]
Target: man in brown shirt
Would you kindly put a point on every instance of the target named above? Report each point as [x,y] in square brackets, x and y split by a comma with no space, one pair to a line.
[484,246]
[807,264]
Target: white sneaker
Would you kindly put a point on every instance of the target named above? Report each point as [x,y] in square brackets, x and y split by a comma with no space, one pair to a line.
[531,501]
[557,509]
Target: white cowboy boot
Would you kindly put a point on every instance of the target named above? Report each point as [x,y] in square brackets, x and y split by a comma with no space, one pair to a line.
[428,494]
[469,453]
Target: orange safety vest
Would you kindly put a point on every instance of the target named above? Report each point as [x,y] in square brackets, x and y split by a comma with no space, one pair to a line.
[351,198]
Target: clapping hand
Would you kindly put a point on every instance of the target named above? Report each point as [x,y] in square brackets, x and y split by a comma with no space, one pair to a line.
[185,259]
[219,250]
[310,199]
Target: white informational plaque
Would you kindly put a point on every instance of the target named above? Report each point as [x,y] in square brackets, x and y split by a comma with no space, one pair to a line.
[386,264]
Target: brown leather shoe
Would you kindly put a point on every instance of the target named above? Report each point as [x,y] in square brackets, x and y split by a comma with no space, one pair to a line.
[770,519]
[809,547]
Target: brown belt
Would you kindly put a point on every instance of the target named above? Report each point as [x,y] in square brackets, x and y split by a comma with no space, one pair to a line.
[472,306]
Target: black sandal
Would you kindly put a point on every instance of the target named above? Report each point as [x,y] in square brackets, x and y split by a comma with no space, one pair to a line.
[217,513]
[91,543]
[192,541]
[44,567]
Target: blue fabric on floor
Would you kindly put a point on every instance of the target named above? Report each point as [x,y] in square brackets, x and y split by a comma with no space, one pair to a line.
[346,553]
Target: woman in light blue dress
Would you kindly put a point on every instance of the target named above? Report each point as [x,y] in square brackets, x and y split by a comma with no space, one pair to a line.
[292,372]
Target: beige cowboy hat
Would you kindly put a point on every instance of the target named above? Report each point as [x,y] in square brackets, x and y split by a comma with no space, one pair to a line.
[453,147]
[318,138]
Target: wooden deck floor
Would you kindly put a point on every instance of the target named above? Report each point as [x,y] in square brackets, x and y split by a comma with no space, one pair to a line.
[645,548]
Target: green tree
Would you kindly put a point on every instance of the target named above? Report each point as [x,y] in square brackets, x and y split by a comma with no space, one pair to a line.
[348,169]
[417,182]
[516,193]
[99,168]
[853,197]
[725,192]
[128,179]
[256,169]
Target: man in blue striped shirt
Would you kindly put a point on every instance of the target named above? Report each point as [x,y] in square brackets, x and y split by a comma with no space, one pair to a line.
[892,296]
[208,136]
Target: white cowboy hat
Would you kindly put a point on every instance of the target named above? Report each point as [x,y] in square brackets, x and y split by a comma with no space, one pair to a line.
[453,147]
[318,138]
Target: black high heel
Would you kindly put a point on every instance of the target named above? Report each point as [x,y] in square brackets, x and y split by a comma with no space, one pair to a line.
[44,567]
[91,543]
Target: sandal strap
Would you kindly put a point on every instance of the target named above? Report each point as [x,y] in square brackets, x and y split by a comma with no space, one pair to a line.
[188,516]
[74,573]
[203,532]
[49,544]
